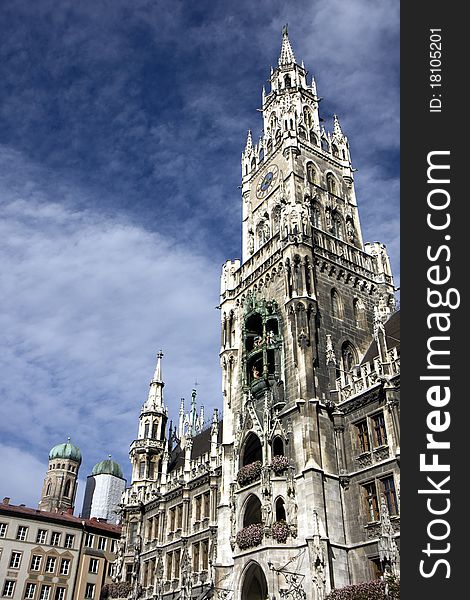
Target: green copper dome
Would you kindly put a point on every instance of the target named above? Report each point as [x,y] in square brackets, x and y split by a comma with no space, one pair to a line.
[66,450]
[108,467]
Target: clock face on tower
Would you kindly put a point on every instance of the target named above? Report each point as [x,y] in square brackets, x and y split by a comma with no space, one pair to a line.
[266,181]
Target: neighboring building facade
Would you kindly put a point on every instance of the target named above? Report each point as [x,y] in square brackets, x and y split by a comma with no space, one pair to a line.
[103,492]
[53,555]
[297,493]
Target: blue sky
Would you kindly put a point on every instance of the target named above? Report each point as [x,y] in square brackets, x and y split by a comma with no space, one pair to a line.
[121,129]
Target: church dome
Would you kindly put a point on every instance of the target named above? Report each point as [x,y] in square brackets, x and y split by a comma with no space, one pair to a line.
[67,450]
[108,467]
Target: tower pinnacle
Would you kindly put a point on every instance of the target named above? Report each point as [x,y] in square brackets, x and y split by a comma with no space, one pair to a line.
[155,395]
[287,55]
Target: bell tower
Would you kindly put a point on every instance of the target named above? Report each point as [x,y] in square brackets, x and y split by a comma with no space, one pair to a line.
[297,314]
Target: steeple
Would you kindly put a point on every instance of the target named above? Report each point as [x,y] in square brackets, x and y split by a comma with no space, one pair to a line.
[155,395]
[146,451]
[287,55]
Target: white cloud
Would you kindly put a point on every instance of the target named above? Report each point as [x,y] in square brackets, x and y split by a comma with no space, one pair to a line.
[87,302]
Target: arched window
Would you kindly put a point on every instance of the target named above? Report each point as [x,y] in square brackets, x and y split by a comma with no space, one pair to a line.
[67,489]
[253,164]
[287,81]
[146,429]
[141,469]
[302,133]
[311,173]
[278,136]
[313,138]
[252,450]
[334,149]
[280,510]
[308,119]
[48,490]
[336,308]
[269,146]
[316,215]
[324,144]
[349,356]
[331,183]
[255,586]
[252,513]
[278,446]
[337,226]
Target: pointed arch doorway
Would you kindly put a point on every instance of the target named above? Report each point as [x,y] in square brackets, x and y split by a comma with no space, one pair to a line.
[255,586]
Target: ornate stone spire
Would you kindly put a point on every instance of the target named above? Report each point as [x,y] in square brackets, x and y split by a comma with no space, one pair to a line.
[337,131]
[249,143]
[155,395]
[287,55]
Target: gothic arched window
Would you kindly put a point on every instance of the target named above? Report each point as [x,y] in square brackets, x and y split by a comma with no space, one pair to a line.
[278,446]
[252,450]
[324,144]
[252,513]
[337,226]
[308,119]
[48,490]
[287,81]
[349,356]
[336,307]
[311,173]
[302,133]
[334,149]
[331,183]
[316,215]
[280,510]
[313,138]
[67,489]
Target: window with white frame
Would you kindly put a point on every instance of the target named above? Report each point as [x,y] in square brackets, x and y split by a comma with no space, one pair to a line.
[93,565]
[59,593]
[89,538]
[65,566]
[89,591]
[36,562]
[22,533]
[41,536]
[69,540]
[55,538]
[8,588]
[102,543]
[3,529]
[15,560]
[45,592]
[30,591]
[50,564]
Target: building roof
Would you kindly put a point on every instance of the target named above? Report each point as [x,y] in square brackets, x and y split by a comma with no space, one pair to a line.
[392,335]
[108,467]
[66,450]
[201,445]
[63,518]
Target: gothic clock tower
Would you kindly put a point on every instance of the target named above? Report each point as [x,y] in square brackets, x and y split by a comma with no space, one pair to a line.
[297,315]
